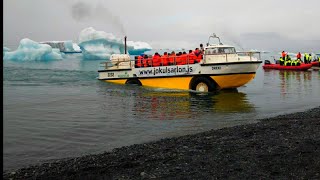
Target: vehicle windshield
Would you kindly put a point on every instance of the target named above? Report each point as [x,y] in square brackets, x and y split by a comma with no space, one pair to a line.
[220,50]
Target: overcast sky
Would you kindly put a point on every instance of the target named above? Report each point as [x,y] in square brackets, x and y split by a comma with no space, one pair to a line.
[291,25]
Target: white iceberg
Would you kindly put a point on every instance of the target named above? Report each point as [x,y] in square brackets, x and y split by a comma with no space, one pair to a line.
[29,50]
[71,47]
[76,48]
[64,46]
[99,45]
[138,47]
[5,49]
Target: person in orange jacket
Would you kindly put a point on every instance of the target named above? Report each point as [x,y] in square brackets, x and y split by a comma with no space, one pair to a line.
[139,61]
[283,55]
[156,59]
[172,58]
[145,61]
[165,59]
[191,57]
[196,52]
[179,58]
[299,56]
[184,58]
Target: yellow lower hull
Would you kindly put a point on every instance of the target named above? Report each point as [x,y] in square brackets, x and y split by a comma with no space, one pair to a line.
[183,83]
[232,81]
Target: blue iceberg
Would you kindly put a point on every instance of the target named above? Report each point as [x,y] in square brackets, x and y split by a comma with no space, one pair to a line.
[29,50]
[99,45]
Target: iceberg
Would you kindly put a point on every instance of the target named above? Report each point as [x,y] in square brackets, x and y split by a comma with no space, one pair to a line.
[29,50]
[71,47]
[99,45]
[64,46]
[5,49]
[138,47]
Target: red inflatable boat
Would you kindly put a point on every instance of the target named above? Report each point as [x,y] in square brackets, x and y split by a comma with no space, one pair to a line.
[315,63]
[302,67]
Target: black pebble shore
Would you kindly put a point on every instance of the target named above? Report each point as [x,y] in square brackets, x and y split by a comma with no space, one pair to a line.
[283,147]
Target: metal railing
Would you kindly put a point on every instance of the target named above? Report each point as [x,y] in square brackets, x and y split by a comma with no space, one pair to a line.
[149,62]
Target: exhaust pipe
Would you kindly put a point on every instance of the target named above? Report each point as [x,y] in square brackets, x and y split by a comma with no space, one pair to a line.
[125,44]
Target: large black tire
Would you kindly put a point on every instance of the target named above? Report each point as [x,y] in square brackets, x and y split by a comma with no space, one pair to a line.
[203,84]
[134,82]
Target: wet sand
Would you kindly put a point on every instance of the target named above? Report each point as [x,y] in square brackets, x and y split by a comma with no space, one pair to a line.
[283,147]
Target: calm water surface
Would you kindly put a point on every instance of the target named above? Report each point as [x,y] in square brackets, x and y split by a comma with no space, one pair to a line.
[59,109]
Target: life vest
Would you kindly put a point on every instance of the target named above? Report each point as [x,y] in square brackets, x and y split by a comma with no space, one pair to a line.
[156,60]
[281,59]
[294,62]
[183,59]
[196,52]
[178,60]
[192,58]
[298,56]
[145,61]
[165,60]
[139,61]
[172,59]
[283,54]
[149,61]
[287,63]
[306,56]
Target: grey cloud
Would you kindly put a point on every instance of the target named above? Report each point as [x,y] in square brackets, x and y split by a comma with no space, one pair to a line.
[90,11]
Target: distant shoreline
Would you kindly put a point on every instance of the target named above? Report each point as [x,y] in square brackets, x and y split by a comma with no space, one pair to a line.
[282,147]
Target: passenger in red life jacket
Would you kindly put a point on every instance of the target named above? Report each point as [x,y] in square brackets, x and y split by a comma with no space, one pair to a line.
[156,59]
[184,58]
[145,61]
[299,56]
[172,58]
[139,61]
[196,52]
[150,63]
[191,57]
[283,55]
[178,59]
[165,59]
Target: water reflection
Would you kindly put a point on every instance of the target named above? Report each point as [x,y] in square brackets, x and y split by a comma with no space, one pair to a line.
[174,105]
[295,82]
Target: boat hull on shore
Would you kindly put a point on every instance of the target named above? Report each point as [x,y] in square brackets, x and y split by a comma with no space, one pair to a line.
[301,67]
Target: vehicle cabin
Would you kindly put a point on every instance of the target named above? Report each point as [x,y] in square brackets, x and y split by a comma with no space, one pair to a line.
[220,54]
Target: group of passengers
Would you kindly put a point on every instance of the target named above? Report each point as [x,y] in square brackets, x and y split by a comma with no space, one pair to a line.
[167,59]
[285,59]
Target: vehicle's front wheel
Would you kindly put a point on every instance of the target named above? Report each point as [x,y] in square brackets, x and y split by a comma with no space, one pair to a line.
[134,81]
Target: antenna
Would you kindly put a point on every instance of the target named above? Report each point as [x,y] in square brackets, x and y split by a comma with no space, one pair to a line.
[214,36]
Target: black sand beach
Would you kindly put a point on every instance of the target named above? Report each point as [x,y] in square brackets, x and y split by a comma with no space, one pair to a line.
[283,147]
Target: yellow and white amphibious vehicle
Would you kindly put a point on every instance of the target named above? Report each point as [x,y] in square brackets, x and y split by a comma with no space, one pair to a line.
[216,67]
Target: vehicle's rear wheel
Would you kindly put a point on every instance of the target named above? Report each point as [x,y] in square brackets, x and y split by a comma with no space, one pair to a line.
[203,84]
[134,82]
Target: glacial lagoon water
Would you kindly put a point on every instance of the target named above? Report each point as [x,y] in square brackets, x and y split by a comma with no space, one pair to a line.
[59,109]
